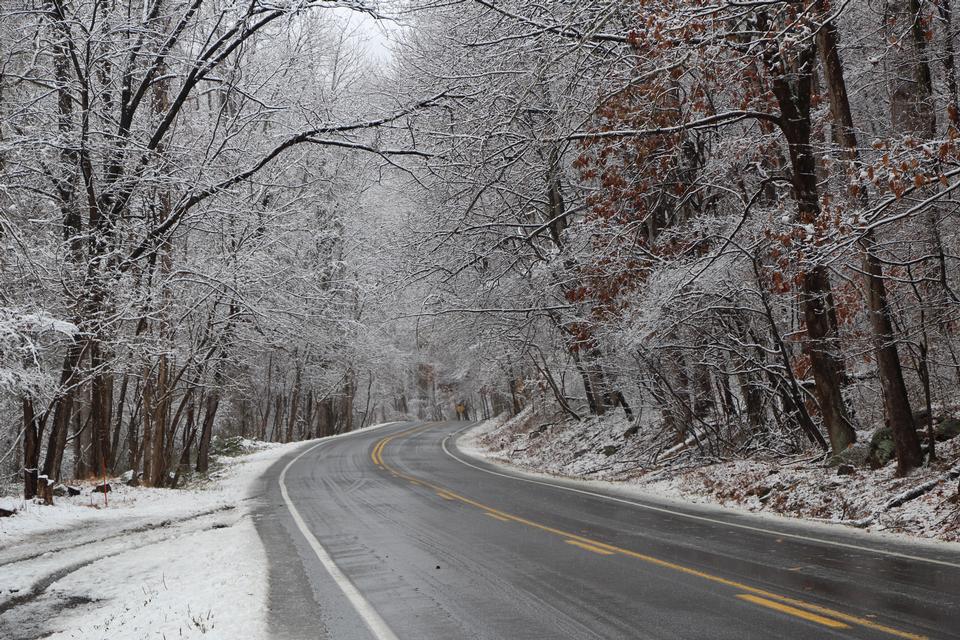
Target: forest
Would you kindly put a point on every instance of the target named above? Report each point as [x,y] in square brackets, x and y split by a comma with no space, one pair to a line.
[731,225]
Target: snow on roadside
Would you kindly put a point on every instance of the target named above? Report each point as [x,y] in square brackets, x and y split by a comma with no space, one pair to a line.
[125,505]
[210,582]
[793,486]
[153,563]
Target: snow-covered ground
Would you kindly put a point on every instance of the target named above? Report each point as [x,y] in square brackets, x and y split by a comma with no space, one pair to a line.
[150,563]
[144,563]
[794,486]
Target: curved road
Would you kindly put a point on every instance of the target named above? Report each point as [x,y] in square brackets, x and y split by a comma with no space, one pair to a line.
[395,533]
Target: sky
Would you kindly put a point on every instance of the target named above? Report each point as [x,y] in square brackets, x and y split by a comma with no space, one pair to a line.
[376,33]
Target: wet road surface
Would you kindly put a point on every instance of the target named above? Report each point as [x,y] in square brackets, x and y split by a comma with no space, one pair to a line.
[395,533]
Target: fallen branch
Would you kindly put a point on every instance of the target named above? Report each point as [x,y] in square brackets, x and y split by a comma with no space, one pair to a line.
[677,448]
[908,495]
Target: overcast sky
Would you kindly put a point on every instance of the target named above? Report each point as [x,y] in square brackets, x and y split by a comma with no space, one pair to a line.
[375,33]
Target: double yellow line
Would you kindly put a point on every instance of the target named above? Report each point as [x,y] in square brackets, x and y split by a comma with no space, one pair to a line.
[785,604]
[377,454]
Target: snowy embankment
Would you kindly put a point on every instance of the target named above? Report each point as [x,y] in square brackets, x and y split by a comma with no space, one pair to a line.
[145,563]
[795,486]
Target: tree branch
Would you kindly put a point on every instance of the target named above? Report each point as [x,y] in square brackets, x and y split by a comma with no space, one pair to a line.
[189,201]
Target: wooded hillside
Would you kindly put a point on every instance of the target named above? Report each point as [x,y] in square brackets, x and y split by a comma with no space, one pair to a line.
[734,222]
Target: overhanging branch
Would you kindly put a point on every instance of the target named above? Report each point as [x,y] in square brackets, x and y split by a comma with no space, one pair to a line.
[727,117]
[312,136]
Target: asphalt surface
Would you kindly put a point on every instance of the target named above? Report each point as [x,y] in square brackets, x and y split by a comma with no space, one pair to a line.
[436,545]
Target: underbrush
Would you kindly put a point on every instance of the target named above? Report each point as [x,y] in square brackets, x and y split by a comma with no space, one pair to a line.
[798,481]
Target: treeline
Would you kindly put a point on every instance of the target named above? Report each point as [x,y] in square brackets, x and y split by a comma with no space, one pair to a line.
[180,190]
[734,223]
[740,216]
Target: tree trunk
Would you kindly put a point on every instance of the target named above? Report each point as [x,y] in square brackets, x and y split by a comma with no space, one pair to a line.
[101,408]
[294,407]
[308,418]
[189,435]
[911,83]
[949,57]
[752,392]
[325,418]
[160,420]
[133,436]
[149,412]
[912,110]
[118,422]
[349,391]
[517,400]
[32,432]
[816,297]
[81,470]
[703,400]
[61,423]
[791,394]
[896,400]
[725,393]
[366,408]
[276,431]
[66,188]
[265,412]
[206,431]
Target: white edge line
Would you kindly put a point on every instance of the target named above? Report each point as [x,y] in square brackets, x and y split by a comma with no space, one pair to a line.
[690,516]
[378,627]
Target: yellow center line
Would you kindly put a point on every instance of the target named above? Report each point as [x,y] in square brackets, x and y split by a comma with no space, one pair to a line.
[799,613]
[377,454]
[598,546]
[445,495]
[590,547]
[497,516]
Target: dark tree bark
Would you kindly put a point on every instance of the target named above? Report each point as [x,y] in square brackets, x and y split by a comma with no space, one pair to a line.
[32,434]
[899,416]
[945,8]
[65,185]
[349,393]
[516,398]
[82,469]
[276,431]
[294,407]
[62,414]
[133,433]
[791,394]
[703,400]
[310,433]
[160,422]
[366,408]
[148,412]
[101,408]
[206,430]
[118,422]
[752,391]
[816,296]
[911,83]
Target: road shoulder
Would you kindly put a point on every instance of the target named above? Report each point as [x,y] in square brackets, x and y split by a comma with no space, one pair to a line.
[464,445]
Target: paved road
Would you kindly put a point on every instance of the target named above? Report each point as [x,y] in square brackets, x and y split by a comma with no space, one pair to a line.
[425,543]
